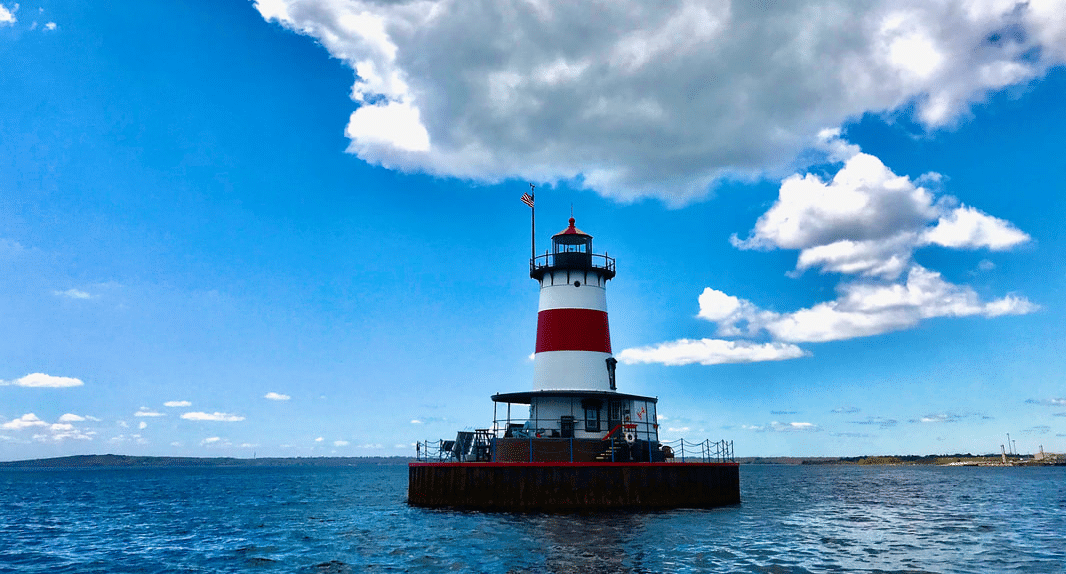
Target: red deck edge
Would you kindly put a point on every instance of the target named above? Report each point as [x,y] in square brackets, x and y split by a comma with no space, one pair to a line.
[599,464]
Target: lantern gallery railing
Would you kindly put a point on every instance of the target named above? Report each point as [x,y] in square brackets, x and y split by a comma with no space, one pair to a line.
[571,260]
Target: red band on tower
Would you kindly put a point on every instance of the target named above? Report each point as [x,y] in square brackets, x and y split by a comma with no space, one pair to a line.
[573,330]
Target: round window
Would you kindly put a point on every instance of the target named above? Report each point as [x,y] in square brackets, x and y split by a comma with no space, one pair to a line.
[577,284]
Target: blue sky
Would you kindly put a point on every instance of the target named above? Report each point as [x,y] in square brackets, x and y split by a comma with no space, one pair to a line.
[292,227]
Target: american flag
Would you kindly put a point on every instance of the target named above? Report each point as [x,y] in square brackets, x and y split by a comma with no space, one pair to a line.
[527,199]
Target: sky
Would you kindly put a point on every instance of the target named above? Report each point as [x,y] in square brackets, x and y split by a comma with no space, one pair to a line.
[293,227]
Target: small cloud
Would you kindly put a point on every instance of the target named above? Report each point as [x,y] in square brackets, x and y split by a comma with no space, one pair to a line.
[147,412]
[850,435]
[1057,402]
[70,418]
[794,427]
[375,446]
[949,417]
[986,265]
[779,413]
[177,404]
[210,440]
[143,425]
[845,410]
[416,422]
[73,294]
[41,380]
[1038,429]
[216,416]
[710,352]
[276,396]
[6,17]
[319,439]
[776,426]
[25,421]
[531,356]
[175,443]
[50,26]
[678,429]
[248,445]
[340,443]
[879,421]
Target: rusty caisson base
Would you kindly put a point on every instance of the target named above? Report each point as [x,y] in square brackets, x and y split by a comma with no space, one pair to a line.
[553,486]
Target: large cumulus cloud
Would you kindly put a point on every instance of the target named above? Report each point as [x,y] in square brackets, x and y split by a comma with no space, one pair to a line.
[643,98]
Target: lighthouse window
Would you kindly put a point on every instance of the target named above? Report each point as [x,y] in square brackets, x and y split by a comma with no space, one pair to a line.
[577,284]
[592,420]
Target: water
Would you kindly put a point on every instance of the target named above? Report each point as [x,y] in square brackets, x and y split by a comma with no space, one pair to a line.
[793,519]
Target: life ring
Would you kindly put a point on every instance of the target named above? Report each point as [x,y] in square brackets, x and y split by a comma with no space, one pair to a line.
[630,437]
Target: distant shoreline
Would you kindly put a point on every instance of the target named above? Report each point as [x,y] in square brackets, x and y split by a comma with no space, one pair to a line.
[124,461]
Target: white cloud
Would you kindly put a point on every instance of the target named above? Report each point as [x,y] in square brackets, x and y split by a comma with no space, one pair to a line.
[147,412]
[210,440]
[177,404]
[710,352]
[869,221]
[319,439]
[50,26]
[784,427]
[70,418]
[882,422]
[967,228]
[143,425]
[868,308]
[416,422]
[73,294]
[41,380]
[340,443]
[276,396]
[1055,402]
[866,222]
[6,17]
[216,416]
[27,420]
[639,98]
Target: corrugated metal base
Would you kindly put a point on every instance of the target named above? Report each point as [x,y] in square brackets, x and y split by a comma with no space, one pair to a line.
[573,486]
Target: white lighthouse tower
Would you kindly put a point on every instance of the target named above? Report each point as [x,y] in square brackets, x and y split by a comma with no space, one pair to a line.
[573,339]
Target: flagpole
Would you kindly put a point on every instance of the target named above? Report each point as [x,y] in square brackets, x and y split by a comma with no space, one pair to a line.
[533,222]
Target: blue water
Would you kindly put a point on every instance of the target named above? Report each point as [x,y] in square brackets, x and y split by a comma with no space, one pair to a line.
[792,519]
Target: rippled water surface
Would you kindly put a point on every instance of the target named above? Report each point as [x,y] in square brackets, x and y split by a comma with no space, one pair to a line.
[792,519]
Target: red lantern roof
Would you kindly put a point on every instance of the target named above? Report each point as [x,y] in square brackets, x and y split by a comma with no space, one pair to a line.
[571,231]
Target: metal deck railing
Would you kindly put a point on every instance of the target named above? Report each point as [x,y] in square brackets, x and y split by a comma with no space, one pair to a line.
[478,446]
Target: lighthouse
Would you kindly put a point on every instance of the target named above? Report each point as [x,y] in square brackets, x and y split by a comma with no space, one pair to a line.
[573,441]
[575,402]
[573,339]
